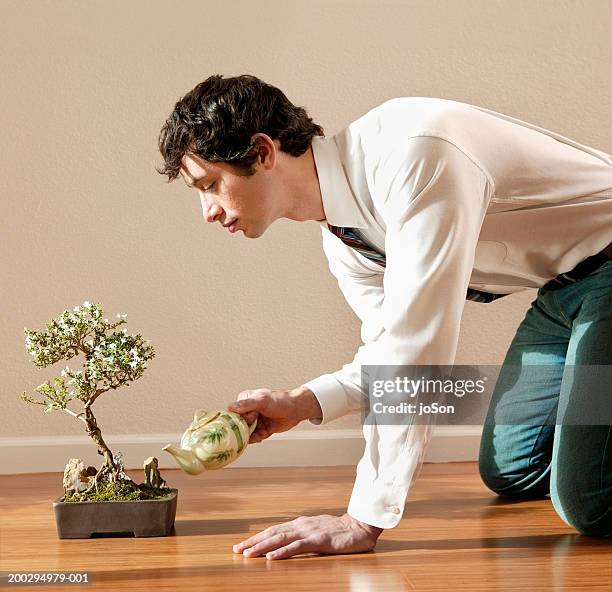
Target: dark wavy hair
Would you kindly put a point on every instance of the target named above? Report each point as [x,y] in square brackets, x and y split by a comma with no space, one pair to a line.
[218,117]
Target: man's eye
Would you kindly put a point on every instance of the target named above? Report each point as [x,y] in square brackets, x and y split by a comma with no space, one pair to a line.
[210,186]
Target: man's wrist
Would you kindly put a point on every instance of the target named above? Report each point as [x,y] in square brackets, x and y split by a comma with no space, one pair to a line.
[374,531]
[308,405]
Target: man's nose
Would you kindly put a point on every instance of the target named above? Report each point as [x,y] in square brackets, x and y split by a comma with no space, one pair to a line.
[212,213]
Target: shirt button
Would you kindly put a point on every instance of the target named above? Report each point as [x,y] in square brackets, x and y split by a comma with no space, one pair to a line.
[394,509]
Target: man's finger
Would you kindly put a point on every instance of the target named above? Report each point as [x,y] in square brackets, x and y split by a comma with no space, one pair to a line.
[260,536]
[249,416]
[259,434]
[271,543]
[246,408]
[294,548]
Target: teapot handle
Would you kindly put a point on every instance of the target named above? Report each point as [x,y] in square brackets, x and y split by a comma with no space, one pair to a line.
[252,426]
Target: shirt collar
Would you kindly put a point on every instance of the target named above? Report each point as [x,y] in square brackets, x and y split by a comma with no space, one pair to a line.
[339,202]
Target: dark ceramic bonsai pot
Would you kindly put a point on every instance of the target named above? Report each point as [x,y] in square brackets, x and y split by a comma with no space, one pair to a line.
[143,518]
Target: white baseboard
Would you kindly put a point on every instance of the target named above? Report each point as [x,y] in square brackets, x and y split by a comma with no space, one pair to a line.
[42,454]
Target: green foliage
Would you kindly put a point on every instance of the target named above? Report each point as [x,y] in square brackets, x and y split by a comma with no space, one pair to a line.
[222,456]
[120,491]
[54,398]
[214,435]
[112,358]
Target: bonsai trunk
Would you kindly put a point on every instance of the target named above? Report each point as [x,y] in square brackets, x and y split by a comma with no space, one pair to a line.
[109,471]
[96,435]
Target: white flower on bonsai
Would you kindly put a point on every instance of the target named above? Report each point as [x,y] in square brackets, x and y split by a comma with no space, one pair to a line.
[111,360]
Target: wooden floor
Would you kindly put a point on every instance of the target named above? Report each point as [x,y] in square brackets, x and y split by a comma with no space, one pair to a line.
[455,535]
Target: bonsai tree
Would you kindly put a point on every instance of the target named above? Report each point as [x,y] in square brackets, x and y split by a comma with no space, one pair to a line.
[112,359]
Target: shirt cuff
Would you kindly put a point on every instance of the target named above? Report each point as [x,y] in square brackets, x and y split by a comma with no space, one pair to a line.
[377,503]
[331,396]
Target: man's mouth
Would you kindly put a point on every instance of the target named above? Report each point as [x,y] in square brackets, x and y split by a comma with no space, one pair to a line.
[231,226]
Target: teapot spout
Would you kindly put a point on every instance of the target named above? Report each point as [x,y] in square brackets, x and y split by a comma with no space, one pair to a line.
[186,459]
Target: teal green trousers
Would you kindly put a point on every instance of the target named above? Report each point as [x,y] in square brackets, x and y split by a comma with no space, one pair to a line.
[538,458]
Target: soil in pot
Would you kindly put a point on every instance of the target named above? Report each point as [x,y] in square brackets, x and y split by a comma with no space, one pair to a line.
[120,491]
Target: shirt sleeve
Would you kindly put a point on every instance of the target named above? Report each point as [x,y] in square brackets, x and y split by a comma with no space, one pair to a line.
[433,199]
[361,283]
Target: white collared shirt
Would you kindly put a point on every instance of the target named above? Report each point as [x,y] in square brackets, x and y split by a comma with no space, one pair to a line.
[456,196]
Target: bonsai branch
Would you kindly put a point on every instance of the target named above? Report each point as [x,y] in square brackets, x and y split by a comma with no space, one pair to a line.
[77,415]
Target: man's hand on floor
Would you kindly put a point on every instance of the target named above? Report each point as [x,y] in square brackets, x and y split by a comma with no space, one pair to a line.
[324,534]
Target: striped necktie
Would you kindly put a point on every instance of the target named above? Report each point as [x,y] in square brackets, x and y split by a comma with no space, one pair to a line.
[352,238]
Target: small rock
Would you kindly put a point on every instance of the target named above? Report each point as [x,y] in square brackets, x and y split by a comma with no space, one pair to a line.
[121,474]
[76,476]
[153,477]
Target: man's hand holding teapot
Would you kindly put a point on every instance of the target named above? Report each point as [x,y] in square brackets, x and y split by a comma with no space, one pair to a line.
[276,411]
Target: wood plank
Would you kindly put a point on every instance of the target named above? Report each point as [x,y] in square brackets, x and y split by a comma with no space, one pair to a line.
[455,535]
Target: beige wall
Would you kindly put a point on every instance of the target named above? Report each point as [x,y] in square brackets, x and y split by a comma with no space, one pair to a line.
[85,89]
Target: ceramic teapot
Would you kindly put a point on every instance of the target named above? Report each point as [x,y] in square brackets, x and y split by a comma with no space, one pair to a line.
[212,441]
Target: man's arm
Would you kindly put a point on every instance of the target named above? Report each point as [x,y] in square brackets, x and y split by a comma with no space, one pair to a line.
[433,203]
[361,283]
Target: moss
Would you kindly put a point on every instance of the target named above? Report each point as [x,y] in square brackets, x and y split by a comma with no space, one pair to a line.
[120,491]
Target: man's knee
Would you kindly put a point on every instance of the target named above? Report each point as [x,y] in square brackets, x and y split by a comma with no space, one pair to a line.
[532,484]
[587,512]
[510,477]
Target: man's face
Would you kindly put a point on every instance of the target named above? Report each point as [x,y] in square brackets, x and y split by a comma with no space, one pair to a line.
[227,196]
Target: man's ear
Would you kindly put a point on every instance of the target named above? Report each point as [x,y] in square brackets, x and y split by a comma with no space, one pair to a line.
[266,149]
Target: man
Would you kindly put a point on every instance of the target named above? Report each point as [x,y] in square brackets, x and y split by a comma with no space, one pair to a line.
[423,203]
